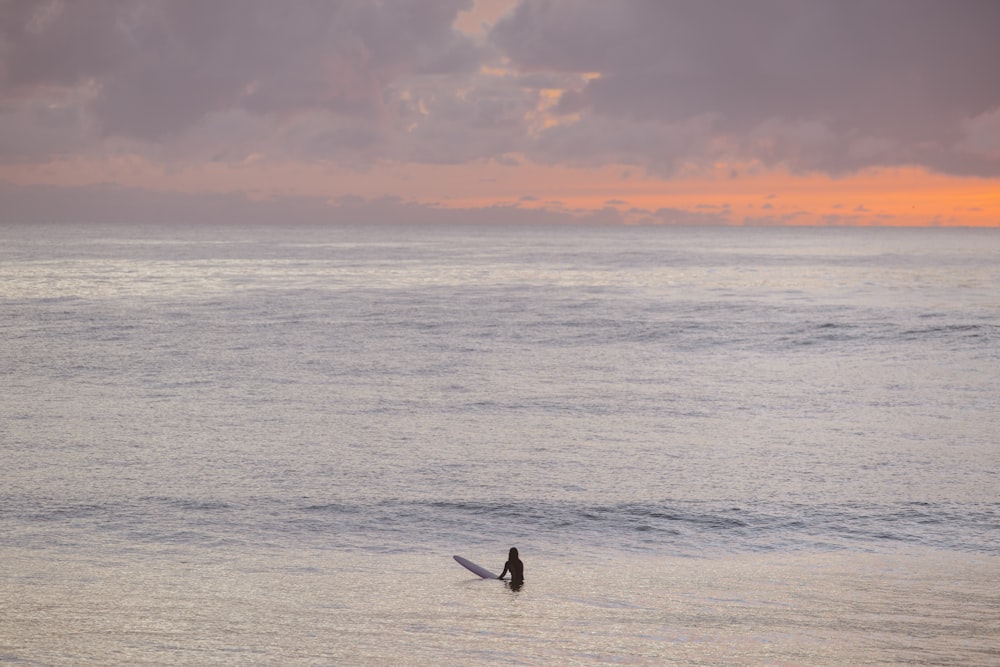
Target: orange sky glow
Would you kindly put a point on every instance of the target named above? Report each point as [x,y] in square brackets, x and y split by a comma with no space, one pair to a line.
[887,197]
[539,122]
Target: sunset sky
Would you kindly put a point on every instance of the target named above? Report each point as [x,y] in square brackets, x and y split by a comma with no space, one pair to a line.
[741,112]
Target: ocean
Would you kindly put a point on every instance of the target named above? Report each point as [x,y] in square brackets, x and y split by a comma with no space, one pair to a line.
[236,445]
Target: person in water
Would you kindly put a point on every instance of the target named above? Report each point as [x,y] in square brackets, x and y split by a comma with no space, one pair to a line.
[514,566]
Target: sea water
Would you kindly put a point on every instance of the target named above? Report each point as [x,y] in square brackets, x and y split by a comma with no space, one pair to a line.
[262,445]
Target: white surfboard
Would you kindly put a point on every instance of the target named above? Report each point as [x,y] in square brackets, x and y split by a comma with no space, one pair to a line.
[472,567]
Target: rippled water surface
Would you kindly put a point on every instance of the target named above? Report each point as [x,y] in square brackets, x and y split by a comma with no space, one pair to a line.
[262,445]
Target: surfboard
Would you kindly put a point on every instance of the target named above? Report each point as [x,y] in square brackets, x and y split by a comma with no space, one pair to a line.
[472,567]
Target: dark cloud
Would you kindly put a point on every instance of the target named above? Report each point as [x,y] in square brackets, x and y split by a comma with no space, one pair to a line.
[112,204]
[664,85]
[676,216]
[814,84]
[158,67]
[471,118]
[595,140]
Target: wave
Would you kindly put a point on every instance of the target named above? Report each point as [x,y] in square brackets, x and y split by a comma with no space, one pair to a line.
[669,526]
[747,328]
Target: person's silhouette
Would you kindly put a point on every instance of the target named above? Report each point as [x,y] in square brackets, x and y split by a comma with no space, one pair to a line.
[515,567]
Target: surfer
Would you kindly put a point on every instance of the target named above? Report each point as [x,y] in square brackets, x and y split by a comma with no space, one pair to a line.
[514,566]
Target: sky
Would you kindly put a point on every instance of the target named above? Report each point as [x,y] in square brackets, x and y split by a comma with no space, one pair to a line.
[693,112]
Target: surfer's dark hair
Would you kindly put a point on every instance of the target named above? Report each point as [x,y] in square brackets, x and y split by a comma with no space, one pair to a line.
[513,553]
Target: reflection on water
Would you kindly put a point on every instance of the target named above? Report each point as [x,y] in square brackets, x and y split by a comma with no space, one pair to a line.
[327,607]
[225,445]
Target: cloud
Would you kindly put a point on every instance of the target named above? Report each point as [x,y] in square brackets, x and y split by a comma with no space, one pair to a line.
[665,86]
[792,218]
[113,204]
[153,70]
[808,84]
[676,216]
